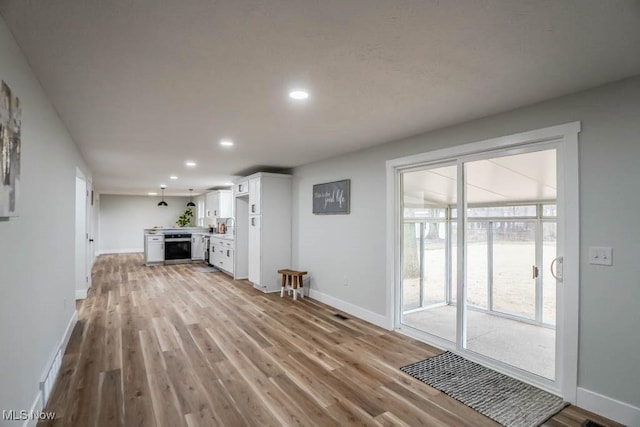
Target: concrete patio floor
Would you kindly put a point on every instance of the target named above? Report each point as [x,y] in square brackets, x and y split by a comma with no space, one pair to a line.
[519,344]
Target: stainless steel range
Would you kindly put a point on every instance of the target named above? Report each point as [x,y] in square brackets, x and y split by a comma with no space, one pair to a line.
[177,248]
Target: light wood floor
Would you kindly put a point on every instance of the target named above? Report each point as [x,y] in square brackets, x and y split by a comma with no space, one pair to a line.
[169,346]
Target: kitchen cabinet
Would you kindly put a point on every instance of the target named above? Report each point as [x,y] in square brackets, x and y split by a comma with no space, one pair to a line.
[221,254]
[213,253]
[254,249]
[254,196]
[218,204]
[197,247]
[226,261]
[241,188]
[265,246]
[154,249]
[241,234]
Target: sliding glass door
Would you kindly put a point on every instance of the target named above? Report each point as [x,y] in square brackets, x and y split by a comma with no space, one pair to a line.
[508,204]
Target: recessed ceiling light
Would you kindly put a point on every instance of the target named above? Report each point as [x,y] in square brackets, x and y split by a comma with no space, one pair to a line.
[298,94]
[228,183]
[190,163]
[152,194]
[173,177]
[226,142]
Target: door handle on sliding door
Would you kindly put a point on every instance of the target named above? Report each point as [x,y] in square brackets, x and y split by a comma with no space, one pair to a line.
[558,274]
[535,271]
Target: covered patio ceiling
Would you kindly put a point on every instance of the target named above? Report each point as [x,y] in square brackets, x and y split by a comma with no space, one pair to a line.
[529,177]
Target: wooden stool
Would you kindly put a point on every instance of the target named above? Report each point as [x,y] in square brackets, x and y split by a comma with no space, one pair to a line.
[298,282]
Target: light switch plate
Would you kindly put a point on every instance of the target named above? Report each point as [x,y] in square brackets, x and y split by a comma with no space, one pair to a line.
[600,255]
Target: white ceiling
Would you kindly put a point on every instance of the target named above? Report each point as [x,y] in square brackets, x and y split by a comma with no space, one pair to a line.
[145,85]
[525,177]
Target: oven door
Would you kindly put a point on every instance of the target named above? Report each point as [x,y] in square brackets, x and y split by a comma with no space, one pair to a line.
[177,250]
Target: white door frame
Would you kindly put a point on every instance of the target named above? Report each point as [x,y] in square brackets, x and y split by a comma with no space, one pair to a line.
[90,240]
[566,135]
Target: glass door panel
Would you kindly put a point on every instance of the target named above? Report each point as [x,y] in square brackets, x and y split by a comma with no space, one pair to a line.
[477,264]
[427,197]
[514,255]
[411,268]
[453,265]
[507,198]
[435,265]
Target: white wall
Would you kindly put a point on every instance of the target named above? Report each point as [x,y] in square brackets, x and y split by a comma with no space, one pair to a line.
[123,219]
[37,249]
[330,247]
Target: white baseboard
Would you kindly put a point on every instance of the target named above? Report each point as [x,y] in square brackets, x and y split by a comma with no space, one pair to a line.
[120,251]
[69,331]
[607,407]
[38,404]
[35,408]
[354,310]
[81,293]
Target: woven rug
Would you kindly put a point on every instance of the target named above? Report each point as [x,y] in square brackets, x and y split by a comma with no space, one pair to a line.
[504,399]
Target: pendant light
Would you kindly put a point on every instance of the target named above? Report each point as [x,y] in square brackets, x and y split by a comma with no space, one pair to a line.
[162,203]
[191,204]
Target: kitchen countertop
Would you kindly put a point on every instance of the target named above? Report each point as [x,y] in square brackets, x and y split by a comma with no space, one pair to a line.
[221,236]
[189,230]
[164,230]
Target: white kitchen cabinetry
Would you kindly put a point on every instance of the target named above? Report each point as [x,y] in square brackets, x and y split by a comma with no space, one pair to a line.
[268,240]
[241,258]
[221,254]
[241,188]
[254,249]
[226,263]
[197,247]
[218,204]
[254,196]
[154,249]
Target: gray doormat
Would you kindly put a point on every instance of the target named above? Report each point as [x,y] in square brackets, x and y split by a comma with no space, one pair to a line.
[504,399]
[207,270]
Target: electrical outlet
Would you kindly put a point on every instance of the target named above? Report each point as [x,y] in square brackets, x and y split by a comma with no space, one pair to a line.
[600,255]
[346,281]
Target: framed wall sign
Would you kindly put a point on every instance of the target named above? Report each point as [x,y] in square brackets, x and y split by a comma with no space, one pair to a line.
[332,198]
[10,134]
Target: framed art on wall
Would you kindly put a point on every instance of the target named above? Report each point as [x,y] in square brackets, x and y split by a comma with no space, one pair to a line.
[10,123]
[332,198]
